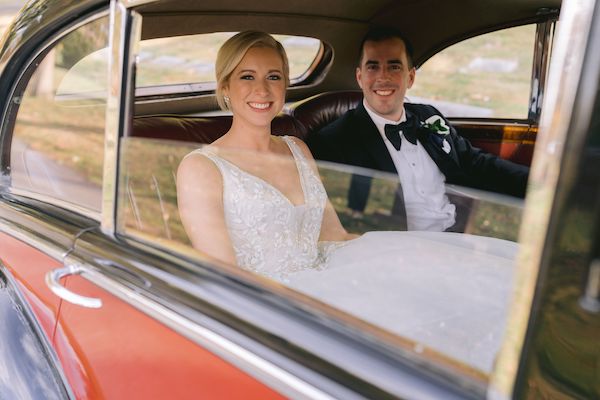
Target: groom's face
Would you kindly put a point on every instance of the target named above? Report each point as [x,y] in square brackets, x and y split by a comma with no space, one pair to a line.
[384,75]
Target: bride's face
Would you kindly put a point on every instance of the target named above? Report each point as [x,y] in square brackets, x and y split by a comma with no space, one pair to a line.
[256,88]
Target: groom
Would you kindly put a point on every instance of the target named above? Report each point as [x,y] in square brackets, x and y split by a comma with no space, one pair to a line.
[415,141]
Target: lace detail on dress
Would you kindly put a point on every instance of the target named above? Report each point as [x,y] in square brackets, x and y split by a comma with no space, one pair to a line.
[269,234]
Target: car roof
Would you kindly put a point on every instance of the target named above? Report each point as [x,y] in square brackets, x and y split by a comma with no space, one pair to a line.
[429,24]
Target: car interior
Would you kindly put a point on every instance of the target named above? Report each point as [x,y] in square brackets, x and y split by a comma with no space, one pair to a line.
[189,114]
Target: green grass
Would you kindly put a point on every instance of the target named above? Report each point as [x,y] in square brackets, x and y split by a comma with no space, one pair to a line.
[447,75]
[71,134]
[194,49]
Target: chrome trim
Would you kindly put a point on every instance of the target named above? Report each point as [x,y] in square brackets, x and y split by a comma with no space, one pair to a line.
[128,99]
[116,45]
[192,89]
[135,37]
[565,68]
[541,55]
[261,369]
[40,332]
[53,282]
[86,212]
[28,237]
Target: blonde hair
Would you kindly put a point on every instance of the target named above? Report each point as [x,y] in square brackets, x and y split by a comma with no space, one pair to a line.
[234,49]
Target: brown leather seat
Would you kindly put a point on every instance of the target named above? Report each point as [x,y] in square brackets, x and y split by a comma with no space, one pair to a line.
[320,110]
[203,129]
[300,119]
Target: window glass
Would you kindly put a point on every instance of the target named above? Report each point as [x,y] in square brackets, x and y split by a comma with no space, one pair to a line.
[191,59]
[436,290]
[488,76]
[58,138]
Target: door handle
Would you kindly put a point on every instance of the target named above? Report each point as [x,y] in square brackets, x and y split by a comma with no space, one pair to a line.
[53,281]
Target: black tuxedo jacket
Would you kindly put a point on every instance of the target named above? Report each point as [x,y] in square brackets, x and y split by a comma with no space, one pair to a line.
[354,139]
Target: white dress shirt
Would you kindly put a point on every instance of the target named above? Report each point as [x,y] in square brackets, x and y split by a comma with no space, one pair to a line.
[427,206]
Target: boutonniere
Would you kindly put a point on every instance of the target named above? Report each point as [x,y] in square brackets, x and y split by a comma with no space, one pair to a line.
[437,125]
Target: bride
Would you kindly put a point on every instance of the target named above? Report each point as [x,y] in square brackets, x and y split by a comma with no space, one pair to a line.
[256,200]
[251,198]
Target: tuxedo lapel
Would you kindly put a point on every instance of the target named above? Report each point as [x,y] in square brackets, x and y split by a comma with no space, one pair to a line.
[367,134]
[447,162]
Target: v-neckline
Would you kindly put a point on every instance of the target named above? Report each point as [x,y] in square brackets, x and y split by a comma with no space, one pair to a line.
[270,185]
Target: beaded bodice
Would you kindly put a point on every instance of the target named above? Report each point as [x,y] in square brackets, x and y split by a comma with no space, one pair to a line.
[269,234]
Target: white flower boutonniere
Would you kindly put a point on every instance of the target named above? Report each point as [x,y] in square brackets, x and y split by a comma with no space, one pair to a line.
[436,124]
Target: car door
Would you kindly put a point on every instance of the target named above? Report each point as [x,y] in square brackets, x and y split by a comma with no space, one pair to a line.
[129,347]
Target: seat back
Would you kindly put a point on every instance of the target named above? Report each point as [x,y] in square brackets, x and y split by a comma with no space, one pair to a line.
[322,109]
[203,129]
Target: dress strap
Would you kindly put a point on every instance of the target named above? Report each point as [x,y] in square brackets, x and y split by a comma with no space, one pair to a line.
[296,152]
[220,163]
[299,157]
[309,178]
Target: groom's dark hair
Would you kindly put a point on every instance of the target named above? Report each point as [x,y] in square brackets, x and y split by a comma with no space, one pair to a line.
[381,33]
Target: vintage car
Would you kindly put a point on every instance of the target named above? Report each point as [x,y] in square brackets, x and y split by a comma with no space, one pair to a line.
[103,296]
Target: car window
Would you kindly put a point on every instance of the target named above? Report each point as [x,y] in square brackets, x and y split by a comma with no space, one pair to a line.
[488,76]
[191,59]
[438,290]
[58,136]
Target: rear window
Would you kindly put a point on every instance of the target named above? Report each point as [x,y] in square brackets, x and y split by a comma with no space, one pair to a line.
[191,59]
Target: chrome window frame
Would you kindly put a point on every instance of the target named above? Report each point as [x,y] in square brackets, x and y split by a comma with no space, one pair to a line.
[544,35]
[124,37]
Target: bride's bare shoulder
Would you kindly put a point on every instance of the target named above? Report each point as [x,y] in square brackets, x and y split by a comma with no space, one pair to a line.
[197,167]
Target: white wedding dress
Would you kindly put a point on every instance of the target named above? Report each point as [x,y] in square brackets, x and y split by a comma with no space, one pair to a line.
[269,234]
[446,291]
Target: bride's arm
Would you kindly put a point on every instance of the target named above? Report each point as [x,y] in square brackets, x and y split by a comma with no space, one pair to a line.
[331,227]
[200,203]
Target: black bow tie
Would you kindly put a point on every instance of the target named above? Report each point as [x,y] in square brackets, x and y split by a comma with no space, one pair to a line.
[392,132]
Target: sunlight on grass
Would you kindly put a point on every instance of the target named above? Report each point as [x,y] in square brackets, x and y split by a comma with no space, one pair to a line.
[492,71]
[191,59]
